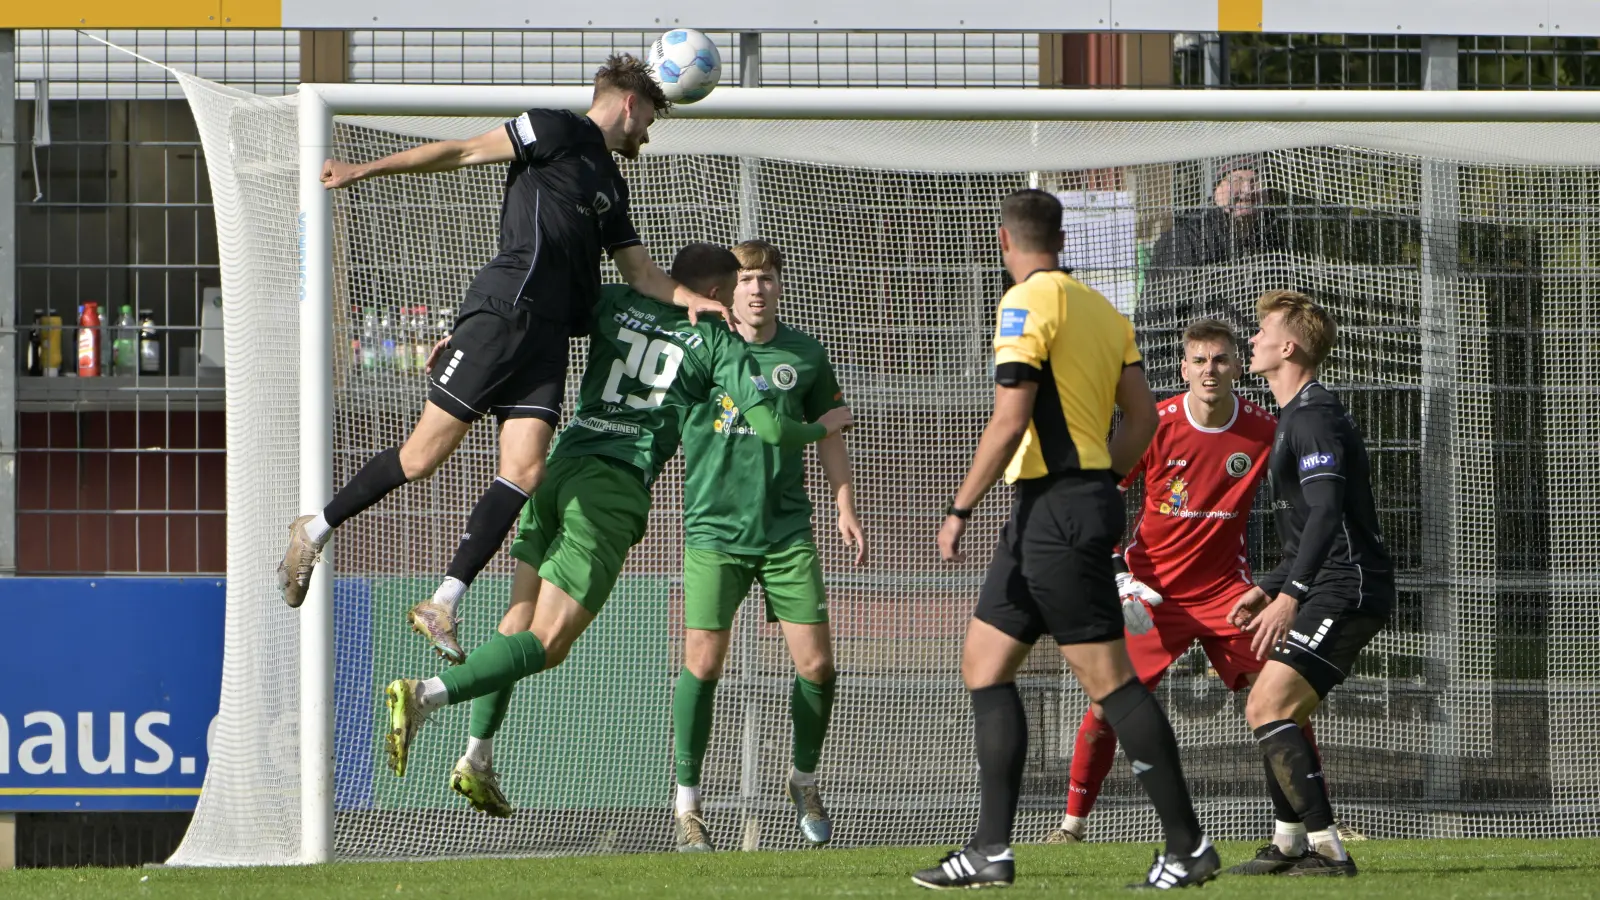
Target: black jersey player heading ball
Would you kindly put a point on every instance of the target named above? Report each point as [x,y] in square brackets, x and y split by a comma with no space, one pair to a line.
[565,202]
[1335,586]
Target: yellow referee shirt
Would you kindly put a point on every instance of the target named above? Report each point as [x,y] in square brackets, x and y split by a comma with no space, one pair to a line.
[1053,329]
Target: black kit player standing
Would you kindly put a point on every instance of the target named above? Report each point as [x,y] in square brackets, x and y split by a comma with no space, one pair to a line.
[565,202]
[1334,589]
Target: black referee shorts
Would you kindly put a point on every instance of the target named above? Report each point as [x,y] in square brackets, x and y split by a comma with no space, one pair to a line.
[1330,630]
[503,361]
[1052,570]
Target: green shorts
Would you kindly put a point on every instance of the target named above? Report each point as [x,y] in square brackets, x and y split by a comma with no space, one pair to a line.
[580,524]
[715,583]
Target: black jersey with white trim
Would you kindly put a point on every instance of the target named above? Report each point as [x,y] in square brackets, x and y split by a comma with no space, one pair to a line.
[1327,520]
[565,201]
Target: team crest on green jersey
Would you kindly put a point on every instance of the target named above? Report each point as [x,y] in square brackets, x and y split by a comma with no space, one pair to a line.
[785,377]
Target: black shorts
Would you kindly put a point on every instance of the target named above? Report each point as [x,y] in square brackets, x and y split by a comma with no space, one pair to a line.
[1327,635]
[1052,570]
[502,360]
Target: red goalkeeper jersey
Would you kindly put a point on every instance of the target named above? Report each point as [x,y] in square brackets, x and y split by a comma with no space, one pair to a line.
[1199,484]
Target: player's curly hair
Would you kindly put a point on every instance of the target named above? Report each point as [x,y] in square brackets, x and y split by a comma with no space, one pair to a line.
[1312,326]
[625,73]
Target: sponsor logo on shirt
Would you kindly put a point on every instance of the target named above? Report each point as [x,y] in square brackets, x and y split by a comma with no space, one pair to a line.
[785,377]
[524,129]
[1177,497]
[645,322]
[602,203]
[760,383]
[1176,503]
[1013,322]
[594,424]
[1238,464]
[727,422]
[1315,461]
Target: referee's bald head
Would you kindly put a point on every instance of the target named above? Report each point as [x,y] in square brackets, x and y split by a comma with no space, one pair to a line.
[1032,220]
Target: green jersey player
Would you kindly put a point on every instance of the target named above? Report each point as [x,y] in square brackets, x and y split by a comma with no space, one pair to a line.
[747,519]
[647,365]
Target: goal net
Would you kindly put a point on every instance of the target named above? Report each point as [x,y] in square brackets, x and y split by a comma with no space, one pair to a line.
[1458,259]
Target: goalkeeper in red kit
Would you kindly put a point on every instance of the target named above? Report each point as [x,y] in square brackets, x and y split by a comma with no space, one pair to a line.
[1185,568]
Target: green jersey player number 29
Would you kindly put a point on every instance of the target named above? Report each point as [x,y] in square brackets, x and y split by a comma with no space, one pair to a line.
[647,364]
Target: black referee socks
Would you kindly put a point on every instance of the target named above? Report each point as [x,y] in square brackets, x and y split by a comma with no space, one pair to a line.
[1298,771]
[493,516]
[1000,729]
[1148,742]
[377,478]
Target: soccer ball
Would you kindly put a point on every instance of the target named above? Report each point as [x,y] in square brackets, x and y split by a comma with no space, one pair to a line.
[686,64]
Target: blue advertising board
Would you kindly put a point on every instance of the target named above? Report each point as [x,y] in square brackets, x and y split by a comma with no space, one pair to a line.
[111,695]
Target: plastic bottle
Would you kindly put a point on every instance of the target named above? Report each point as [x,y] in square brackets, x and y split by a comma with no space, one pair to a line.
[355,336]
[125,343]
[423,345]
[369,340]
[89,341]
[35,358]
[400,339]
[149,344]
[50,341]
[386,342]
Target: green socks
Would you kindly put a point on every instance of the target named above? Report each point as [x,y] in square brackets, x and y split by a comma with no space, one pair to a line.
[488,711]
[810,708]
[693,702]
[494,667]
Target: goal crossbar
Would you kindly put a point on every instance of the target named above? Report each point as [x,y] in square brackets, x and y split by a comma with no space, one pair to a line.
[992,104]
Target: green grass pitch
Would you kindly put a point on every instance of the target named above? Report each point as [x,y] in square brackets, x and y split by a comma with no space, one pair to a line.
[1411,870]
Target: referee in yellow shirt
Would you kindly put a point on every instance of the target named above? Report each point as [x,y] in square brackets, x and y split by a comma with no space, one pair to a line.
[1064,359]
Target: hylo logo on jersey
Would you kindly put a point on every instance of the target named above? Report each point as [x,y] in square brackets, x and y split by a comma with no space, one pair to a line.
[760,383]
[602,203]
[1315,461]
[785,377]
[1177,497]
[1013,322]
[524,127]
[1238,464]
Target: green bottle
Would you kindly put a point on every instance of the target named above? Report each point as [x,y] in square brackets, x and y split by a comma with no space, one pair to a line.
[125,343]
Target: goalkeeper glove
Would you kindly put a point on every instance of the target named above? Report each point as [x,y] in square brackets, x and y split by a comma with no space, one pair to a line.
[1137,600]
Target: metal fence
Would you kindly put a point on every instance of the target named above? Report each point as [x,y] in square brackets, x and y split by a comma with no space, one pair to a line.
[124,473]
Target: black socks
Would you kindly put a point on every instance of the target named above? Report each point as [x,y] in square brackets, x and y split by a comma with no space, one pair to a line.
[1294,766]
[493,516]
[1148,742]
[1001,733]
[377,478]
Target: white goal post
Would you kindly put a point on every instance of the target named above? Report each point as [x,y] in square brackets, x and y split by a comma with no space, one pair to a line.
[1353,151]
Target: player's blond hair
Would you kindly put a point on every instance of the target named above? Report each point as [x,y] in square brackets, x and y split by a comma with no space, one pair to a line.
[625,73]
[1313,328]
[759,255]
[1205,331]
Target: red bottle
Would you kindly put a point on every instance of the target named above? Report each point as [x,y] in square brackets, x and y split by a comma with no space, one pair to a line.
[89,341]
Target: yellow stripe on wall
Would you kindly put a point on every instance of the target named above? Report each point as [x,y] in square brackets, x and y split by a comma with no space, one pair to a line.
[143,14]
[99,792]
[1239,15]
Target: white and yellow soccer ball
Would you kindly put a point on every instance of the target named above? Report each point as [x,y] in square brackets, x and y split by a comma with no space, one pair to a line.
[686,64]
